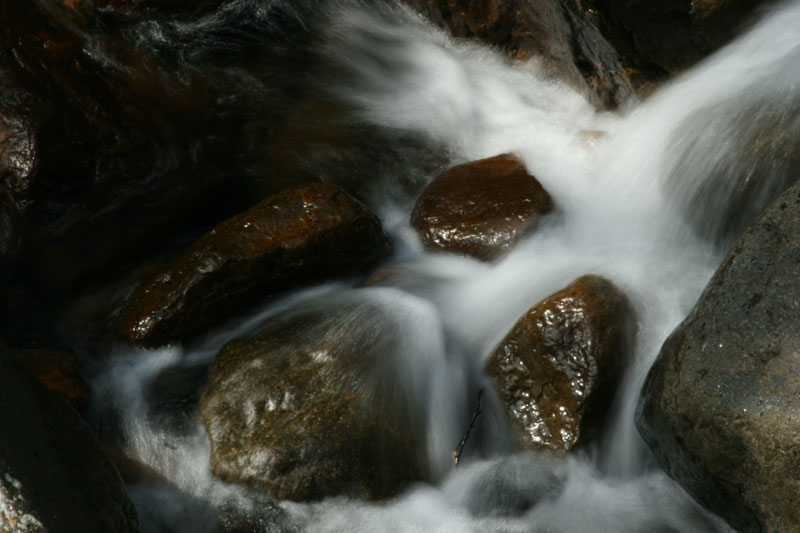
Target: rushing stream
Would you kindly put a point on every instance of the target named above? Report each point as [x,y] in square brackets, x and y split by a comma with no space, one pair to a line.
[639,199]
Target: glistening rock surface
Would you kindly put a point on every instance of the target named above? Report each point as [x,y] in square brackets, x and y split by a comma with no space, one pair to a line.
[557,370]
[317,403]
[53,476]
[481,208]
[721,405]
[299,236]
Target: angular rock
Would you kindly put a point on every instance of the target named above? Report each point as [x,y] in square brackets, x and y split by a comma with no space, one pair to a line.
[58,371]
[314,404]
[562,34]
[53,476]
[300,236]
[558,368]
[481,208]
[720,405]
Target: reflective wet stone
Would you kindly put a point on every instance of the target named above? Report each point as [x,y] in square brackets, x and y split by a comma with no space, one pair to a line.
[299,236]
[481,208]
[557,370]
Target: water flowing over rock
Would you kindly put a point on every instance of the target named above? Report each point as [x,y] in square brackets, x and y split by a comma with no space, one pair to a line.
[560,34]
[53,476]
[720,405]
[481,208]
[302,235]
[313,404]
[558,368]
[723,192]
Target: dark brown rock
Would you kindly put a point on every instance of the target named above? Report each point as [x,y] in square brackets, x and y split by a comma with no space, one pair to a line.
[720,405]
[311,406]
[54,476]
[107,154]
[557,370]
[58,371]
[562,34]
[299,236]
[481,208]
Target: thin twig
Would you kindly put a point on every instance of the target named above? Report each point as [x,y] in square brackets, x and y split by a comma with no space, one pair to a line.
[475,413]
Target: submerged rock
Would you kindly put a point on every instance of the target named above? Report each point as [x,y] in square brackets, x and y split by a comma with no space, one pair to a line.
[317,402]
[515,484]
[58,371]
[299,236]
[481,208]
[721,405]
[723,189]
[53,476]
[173,394]
[558,368]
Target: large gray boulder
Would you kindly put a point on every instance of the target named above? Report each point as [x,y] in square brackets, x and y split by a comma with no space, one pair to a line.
[721,405]
[53,476]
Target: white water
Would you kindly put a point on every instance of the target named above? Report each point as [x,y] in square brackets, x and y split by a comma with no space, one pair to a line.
[621,213]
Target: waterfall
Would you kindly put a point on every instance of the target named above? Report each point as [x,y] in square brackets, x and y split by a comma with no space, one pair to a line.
[651,203]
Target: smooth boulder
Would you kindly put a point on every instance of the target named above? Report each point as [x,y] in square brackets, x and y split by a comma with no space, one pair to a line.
[557,370]
[721,405]
[296,237]
[53,476]
[318,401]
[481,208]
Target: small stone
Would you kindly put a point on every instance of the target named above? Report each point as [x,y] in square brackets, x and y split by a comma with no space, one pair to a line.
[481,208]
[557,370]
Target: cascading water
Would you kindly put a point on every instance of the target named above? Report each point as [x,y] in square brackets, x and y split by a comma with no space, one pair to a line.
[649,203]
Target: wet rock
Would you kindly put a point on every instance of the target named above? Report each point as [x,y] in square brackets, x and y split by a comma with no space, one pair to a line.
[720,405]
[300,236]
[316,403]
[262,516]
[558,368]
[107,154]
[132,471]
[54,476]
[562,35]
[58,370]
[481,208]
[675,35]
[514,484]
